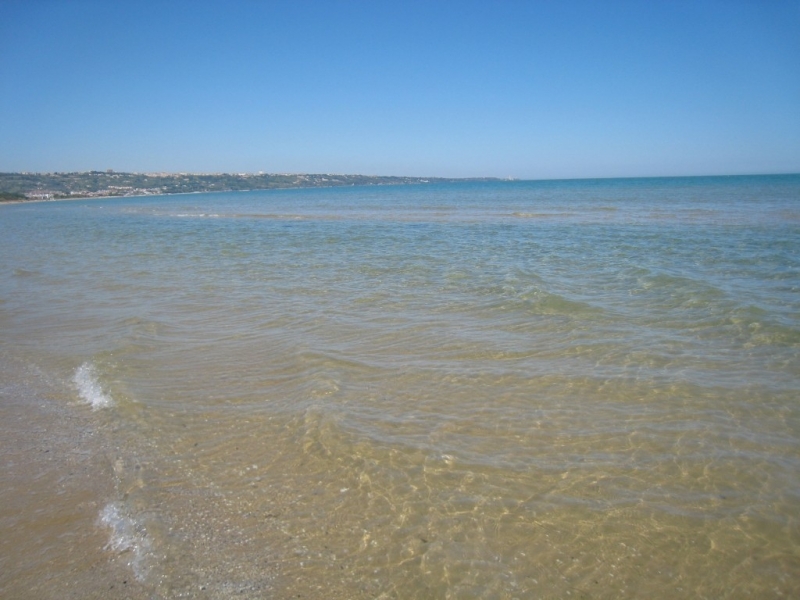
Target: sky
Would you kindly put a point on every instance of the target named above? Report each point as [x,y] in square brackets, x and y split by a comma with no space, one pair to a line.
[531,90]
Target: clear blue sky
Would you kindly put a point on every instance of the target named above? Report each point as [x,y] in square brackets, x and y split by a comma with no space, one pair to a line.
[523,89]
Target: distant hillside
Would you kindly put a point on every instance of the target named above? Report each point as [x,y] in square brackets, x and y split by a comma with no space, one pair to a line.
[47,186]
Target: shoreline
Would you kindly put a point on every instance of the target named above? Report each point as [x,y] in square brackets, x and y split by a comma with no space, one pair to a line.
[57,478]
[28,187]
[11,202]
[314,187]
[409,182]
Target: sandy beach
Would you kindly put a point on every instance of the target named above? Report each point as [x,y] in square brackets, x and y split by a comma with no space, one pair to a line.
[54,481]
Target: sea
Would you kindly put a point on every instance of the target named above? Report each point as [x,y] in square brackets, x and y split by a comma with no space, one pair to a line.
[474,389]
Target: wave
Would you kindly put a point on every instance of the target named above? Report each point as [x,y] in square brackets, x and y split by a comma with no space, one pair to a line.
[127,536]
[89,387]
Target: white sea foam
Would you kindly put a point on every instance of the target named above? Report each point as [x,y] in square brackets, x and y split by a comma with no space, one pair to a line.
[89,387]
[127,537]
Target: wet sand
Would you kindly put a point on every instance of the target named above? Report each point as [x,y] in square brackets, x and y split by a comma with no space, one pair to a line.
[55,479]
[59,477]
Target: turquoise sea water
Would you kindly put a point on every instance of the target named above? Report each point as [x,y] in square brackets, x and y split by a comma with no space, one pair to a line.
[498,390]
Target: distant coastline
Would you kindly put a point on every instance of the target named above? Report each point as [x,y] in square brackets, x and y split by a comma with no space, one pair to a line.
[38,187]
[23,187]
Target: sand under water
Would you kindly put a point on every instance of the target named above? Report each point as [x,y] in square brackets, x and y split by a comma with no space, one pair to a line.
[477,390]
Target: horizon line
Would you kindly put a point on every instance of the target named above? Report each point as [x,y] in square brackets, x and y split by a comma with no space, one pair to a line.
[441,177]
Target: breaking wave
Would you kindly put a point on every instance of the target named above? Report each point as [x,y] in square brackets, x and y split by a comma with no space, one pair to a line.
[127,537]
[89,387]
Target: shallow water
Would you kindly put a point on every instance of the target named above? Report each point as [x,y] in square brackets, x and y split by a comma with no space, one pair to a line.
[496,390]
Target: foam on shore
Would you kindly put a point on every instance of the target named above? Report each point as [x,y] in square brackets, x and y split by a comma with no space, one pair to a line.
[89,387]
[127,537]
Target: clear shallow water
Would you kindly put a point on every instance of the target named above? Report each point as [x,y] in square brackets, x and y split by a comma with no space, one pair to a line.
[512,389]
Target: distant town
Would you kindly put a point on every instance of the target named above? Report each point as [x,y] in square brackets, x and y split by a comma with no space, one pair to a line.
[96,184]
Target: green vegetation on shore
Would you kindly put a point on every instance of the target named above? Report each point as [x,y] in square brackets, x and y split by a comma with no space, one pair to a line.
[51,186]
[11,197]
